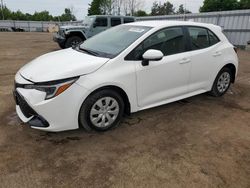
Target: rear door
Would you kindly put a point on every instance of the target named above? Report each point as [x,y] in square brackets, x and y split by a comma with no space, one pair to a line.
[115,21]
[205,54]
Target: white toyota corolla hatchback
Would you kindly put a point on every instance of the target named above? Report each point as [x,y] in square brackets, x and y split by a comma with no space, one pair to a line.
[125,69]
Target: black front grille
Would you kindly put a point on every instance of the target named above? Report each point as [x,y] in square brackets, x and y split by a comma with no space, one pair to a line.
[25,108]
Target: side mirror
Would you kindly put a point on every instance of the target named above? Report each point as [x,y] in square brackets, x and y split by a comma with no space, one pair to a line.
[151,55]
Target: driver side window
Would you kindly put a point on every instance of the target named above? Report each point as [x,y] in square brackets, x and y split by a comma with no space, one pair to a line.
[169,41]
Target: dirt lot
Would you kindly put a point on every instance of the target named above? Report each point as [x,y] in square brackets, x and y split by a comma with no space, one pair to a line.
[199,142]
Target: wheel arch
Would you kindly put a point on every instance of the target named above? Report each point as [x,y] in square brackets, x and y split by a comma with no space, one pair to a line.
[232,67]
[120,91]
[77,33]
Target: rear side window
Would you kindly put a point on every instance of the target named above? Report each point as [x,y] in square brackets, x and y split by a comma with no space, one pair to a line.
[115,21]
[213,38]
[101,22]
[199,38]
[128,20]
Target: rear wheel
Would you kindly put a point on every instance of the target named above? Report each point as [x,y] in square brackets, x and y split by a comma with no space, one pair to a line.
[102,110]
[222,82]
[73,41]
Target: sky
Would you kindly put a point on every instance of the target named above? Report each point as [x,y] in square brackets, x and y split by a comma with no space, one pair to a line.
[80,7]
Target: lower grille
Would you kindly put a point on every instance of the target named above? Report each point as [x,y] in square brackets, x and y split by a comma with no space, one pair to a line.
[25,108]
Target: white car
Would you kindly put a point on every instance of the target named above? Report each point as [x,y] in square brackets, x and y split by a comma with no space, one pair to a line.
[125,69]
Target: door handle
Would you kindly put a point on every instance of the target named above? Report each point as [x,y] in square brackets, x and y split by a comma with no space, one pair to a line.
[217,54]
[185,60]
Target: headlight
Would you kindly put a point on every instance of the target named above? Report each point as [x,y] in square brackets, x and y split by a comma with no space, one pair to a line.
[53,88]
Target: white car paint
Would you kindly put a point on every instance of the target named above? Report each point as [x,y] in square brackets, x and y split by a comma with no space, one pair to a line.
[61,64]
[170,79]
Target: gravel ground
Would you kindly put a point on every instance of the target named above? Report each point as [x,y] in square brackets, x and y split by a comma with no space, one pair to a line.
[198,142]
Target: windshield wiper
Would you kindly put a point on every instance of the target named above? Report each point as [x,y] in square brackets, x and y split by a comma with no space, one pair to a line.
[89,51]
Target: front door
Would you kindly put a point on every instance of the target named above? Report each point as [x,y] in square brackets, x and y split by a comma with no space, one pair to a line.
[169,77]
[100,24]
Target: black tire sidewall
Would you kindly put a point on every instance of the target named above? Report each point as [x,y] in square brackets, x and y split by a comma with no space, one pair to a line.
[68,43]
[61,45]
[215,91]
[84,115]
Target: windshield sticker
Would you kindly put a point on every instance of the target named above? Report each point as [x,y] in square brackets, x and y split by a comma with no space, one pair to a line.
[137,30]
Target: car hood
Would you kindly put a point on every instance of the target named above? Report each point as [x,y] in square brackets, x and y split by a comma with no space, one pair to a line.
[60,65]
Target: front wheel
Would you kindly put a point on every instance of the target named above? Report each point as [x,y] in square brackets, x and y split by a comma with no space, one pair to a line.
[61,45]
[73,41]
[102,111]
[222,82]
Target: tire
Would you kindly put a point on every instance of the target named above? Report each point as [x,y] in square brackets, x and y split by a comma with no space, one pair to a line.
[61,45]
[73,41]
[222,82]
[95,111]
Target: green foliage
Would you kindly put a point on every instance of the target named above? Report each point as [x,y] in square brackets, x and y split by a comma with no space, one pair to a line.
[182,10]
[100,7]
[140,13]
[166,8]
[219,5]
[95,8]
[244,4]
[37,16]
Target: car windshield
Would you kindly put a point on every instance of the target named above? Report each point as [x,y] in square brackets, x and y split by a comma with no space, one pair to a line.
[88,21]
[113,41]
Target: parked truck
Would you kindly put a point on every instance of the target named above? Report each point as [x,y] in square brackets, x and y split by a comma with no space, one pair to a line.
[69,36]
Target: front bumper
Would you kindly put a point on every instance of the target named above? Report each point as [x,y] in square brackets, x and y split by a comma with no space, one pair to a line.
[53,115]
[58,38]
[27,114]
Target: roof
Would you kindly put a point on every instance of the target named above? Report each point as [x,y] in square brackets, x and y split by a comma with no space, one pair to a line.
[107,16]
[166,23]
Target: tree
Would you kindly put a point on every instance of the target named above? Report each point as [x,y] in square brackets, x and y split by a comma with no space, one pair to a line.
[101,7]
[155,9]
[244,4]
[95,8]
[166,9]
[219,5]
[118,6]
[5,13]
[132,6]
[37,16]
[140,13]
[182,10]
[67,15]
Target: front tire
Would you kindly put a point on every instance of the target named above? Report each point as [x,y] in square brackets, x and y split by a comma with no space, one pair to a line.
[73,41]
[222,82]
[61,45]
[102,110]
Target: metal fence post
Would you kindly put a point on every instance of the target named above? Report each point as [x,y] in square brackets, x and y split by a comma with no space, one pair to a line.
[29,25]
[218,19]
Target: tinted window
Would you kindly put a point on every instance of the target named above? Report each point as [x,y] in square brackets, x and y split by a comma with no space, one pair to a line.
[101,22]
[199,37]
[213,38]
[115,21]
[128,20]
[168,41]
